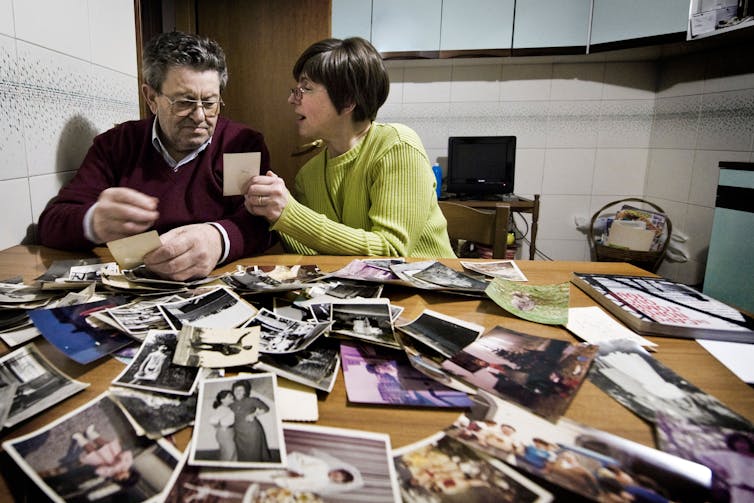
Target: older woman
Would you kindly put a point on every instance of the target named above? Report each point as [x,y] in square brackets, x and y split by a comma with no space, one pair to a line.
[371,190]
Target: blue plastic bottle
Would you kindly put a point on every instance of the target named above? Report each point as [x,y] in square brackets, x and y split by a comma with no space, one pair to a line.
[437,170]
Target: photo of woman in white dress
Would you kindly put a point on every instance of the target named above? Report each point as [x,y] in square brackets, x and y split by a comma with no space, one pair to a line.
[223,420]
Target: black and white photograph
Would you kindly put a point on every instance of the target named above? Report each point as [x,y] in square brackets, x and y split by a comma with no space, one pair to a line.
[93,454]
[35,384]
[506,269]
[273,279]
[442,469]
[628,373]
[444,334]
[367,319]
[332,465]
[155,414]
[220,307]
[281,335]
[91,272]
[153,369]
[316,366]
[447,277]
[351,289]
[237,424]
[137,318]
[61,269]
[290,309]
[216,347]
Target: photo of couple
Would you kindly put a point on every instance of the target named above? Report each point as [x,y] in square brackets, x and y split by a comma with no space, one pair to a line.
[237,423]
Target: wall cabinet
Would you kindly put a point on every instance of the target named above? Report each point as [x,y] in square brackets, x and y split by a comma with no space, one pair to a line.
[477,24]
[400,25]
[617,20]
[440,28]
[551,23]
[352,18]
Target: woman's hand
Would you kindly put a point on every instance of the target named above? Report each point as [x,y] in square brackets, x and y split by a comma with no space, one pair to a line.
[266,196]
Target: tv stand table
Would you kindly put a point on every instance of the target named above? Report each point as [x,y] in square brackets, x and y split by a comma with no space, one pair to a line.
[517,204]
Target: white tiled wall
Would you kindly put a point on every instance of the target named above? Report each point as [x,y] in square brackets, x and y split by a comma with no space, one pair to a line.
[583,128]
[705,114]
[594,129]
[67,73]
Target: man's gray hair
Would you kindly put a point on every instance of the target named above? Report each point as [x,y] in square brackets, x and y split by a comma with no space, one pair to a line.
[168,50]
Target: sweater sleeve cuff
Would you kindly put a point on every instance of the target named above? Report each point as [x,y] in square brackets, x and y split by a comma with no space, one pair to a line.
[225,241]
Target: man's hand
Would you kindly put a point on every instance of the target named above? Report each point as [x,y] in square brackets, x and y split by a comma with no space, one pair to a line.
[187,252]
[122,212]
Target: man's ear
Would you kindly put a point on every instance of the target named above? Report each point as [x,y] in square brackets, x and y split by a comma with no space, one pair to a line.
[150,96]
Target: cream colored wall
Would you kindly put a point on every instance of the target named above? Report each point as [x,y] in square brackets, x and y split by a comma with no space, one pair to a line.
[67,73]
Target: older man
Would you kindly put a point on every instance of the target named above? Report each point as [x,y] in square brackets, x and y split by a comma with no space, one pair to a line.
[166,172]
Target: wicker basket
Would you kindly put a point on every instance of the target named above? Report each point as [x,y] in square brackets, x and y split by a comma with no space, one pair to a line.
[648,260]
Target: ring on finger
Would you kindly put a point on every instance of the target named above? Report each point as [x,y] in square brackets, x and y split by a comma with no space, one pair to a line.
[260,200]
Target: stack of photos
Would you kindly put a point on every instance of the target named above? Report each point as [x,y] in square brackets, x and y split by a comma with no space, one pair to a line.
[219,307]
[93,454]
[29,384]
[256,279]
[377,271]
[628,373]
[386,377]
[586,461]
[137,318]
[540,373]
[506,269]
[323,465]
[152,369]
[68,330]
[442,469]
[447,277]
[281,335]
[237,424]
[73,274]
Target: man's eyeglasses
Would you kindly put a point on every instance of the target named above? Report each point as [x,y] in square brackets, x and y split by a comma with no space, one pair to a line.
[298,92]
[185,107]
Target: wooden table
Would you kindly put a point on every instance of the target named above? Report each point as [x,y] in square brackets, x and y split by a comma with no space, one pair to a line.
[591,406]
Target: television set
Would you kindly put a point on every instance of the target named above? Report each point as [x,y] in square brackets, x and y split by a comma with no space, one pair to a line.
[481,166]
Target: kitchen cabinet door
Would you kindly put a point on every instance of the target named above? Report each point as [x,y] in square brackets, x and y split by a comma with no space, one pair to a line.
[352,18]
[476,24]
[406,25]
[551,23]
[616,20]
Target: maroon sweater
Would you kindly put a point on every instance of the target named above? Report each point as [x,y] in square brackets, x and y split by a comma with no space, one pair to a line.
[125,157]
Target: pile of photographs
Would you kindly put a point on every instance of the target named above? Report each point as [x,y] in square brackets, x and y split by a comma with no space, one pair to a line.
[270,328]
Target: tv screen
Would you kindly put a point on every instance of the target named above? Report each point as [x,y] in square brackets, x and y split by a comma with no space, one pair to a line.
[481,165]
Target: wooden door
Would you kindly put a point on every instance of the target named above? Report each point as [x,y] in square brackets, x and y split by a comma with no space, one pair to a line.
[262,40]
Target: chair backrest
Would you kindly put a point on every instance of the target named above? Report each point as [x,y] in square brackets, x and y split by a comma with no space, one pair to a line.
[486,227]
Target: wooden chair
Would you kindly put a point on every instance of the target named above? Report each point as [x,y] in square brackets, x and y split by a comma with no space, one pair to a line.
[486,227]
